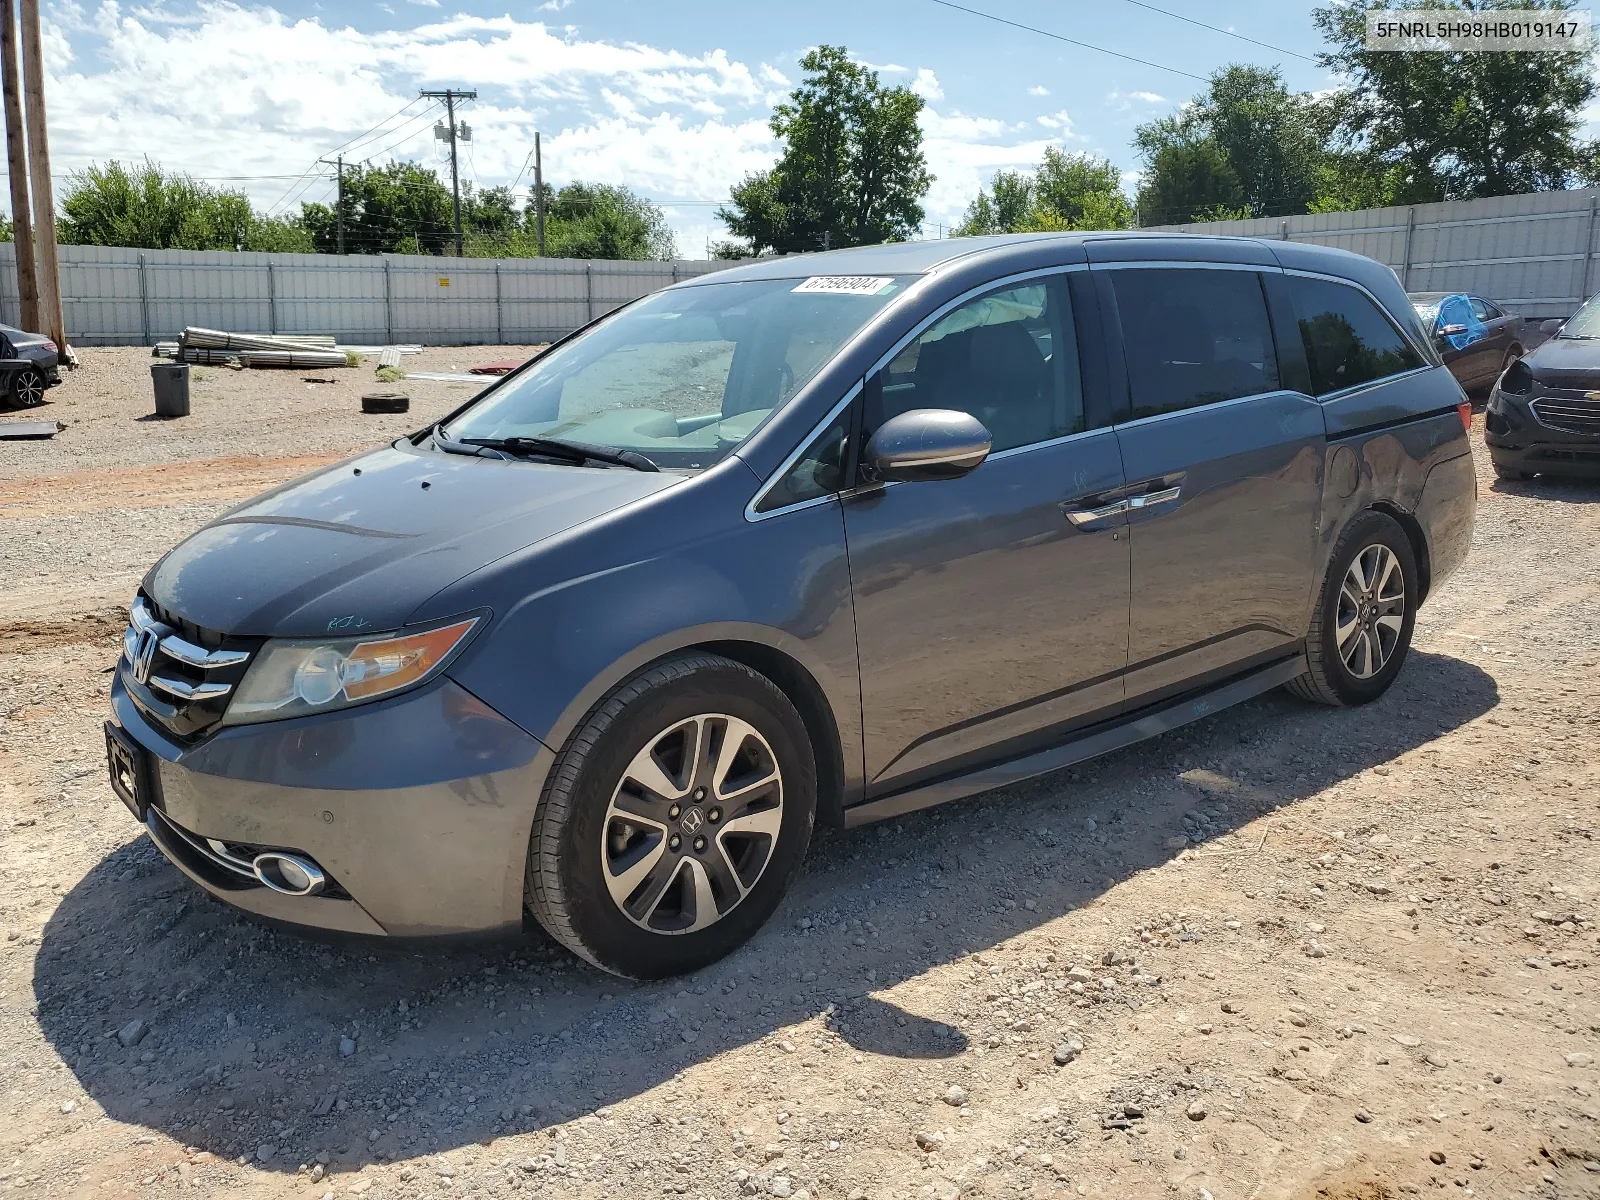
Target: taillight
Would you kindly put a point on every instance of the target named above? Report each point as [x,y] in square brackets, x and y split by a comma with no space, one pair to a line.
[49,345]
[1465,409]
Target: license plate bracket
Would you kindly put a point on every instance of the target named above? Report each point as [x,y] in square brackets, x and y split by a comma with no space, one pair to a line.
[129,767]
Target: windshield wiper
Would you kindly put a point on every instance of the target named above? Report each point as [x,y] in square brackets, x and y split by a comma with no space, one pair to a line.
[577,453]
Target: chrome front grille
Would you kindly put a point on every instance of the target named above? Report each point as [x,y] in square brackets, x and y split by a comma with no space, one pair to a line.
[179,675]
[1571,413]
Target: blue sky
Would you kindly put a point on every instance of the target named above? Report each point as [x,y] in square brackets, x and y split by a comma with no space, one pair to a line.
[671,99]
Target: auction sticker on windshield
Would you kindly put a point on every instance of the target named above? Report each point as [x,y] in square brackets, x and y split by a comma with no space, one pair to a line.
[849,285]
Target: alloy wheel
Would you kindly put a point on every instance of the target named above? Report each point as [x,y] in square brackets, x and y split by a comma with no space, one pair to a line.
[1372,611]
[692,824]
[29,389]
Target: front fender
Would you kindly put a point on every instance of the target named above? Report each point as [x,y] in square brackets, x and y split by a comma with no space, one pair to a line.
[556,648]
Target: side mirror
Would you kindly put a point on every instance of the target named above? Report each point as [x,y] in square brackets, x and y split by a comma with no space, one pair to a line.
[1452,330]
[927,443]
[1551,327]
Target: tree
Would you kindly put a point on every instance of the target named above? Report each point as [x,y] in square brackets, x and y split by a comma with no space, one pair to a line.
[145,206]
[852,171]
[1067,191]
[1189,179]
[600,220]
[1454,126]
[398,208]
[1246,145]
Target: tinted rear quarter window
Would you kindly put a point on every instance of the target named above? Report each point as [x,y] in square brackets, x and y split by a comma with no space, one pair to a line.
[1348,339]
[1193,337]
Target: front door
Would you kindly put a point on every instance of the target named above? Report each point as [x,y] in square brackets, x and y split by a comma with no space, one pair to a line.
[1225,475]
[991,610]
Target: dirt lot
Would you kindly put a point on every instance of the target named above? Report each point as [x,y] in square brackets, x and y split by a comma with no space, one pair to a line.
[1286,952]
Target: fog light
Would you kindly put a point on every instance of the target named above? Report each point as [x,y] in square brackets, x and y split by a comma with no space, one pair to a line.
[288,874]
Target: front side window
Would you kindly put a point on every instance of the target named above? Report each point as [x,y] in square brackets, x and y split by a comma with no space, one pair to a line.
[685,375]
[1193,337]
[1008,358]
[1348,340]
[819,471]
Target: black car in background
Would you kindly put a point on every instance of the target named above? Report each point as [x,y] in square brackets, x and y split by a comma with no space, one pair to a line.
[29,363]
[1476,337]
[1544,412]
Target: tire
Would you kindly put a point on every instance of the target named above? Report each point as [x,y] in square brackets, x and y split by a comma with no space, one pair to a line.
[1355,673]
[1511,474]
[27,388]
[586,847]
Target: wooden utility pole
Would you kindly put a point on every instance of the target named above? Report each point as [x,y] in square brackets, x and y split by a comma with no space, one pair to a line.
[44,196]
[538,193]
[450,96]
[17,164]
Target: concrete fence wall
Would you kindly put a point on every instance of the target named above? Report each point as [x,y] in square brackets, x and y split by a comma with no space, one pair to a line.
[1534,253]
[115,296]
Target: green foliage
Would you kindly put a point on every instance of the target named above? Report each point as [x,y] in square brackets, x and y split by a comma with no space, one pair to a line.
[146,207]
[1246,144]
[582,220]
[1437,126]
[1187,179]
[852,171]
[8,231]
[398,208]
[391,374]
[729,250]
[1068,191]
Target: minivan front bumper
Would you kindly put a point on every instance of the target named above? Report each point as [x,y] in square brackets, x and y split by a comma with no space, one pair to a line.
[418,809]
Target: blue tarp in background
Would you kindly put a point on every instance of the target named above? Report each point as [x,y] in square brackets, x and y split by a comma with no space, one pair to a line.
[1457,310]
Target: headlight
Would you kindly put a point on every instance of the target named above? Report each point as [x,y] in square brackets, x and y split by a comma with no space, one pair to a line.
[1517,380]
[293,678]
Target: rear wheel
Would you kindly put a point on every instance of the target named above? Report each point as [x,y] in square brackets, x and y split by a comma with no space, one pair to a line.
[27,388]
[1361,629]
[674,820]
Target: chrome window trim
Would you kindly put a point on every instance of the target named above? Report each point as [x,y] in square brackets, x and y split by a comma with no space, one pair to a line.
[1357,388]
[1047,443]
[1213,406]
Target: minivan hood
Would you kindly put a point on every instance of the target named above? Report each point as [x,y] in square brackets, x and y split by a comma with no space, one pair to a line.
[358,546]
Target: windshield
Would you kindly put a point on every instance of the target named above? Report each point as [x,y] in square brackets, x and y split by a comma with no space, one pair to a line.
[1585,323]
[685,375]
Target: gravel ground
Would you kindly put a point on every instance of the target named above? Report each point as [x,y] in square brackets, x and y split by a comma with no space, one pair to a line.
[1285,952]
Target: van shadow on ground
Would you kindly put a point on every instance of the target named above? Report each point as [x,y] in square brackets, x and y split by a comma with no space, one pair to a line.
[453,1046]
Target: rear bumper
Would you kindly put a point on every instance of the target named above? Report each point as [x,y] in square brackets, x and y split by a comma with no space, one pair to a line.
[418,809]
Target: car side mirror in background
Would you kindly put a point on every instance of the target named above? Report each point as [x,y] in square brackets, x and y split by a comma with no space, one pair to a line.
[927,443]
[1452,330]
[1551,327]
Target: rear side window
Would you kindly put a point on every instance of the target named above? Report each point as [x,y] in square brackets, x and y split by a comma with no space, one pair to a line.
[1348,339]
[1194,337]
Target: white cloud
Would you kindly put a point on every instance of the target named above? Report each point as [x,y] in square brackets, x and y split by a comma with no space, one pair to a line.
[1038,89]
[424,3]
[555,5]
[926,85]
[669,123]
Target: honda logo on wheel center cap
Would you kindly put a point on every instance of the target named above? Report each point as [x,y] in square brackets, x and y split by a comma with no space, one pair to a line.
[693,818]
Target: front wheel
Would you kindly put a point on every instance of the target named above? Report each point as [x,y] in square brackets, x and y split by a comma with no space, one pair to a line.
[1361,629]
[674,820]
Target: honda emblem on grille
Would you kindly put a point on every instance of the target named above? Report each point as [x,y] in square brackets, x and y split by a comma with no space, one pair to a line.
[144,655]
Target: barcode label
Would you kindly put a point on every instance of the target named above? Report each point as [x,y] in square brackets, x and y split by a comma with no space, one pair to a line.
[849,285]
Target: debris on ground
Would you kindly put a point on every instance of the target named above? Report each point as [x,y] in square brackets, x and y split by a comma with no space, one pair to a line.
[216,347]
[26,431]
[504,367]
[445,376]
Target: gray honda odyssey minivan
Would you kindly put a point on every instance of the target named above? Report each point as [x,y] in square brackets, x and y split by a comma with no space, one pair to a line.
[824,538]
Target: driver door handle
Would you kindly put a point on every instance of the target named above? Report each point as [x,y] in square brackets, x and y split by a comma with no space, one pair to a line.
[1151,499]
[1085,516]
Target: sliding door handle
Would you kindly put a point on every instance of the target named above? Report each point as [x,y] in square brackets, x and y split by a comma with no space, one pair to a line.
[1086,516]
[1151,499]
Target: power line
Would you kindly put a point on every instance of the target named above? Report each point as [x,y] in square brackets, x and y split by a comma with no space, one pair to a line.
[1143,62]
[1219,29]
